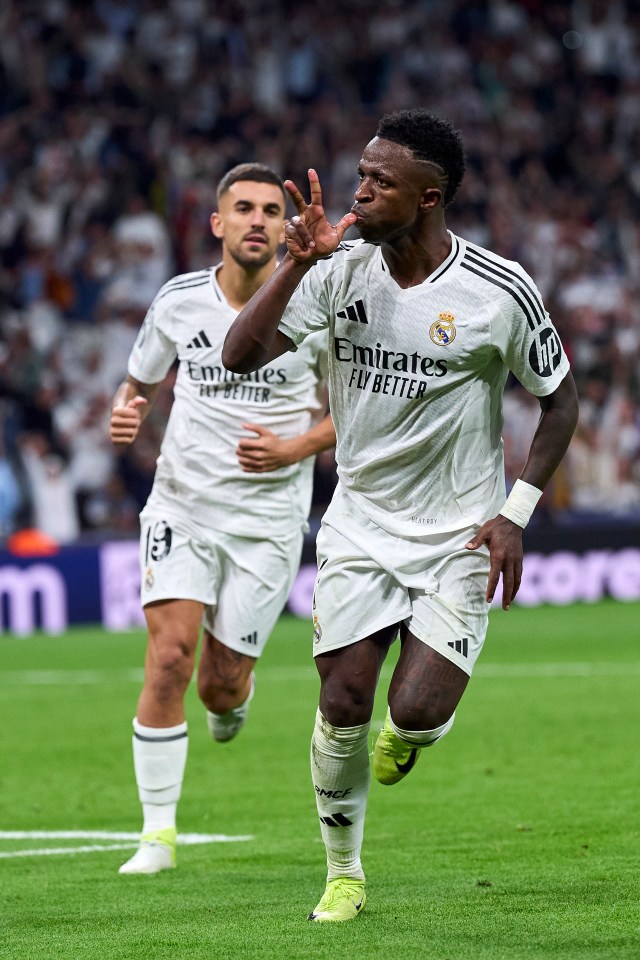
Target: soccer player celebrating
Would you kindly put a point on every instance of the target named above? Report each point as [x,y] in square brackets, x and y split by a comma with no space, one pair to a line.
[424,328]
[222,530]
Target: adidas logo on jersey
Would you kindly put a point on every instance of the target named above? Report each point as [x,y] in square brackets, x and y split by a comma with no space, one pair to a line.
[355,312]
[201,340]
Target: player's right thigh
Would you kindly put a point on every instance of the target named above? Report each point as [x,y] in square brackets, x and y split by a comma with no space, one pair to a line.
[354,596]
[180,576]
[178,560]
[357,607]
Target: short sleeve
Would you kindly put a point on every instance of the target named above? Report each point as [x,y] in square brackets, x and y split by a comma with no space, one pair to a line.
[308,309]
[154,351]
[528,341]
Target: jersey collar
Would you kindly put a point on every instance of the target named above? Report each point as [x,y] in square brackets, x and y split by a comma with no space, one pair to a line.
[445,268]
[215,286]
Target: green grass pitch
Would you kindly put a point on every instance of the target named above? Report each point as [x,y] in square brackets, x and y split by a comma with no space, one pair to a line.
[516,838]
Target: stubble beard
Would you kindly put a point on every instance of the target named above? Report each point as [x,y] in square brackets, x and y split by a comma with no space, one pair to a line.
[254,262]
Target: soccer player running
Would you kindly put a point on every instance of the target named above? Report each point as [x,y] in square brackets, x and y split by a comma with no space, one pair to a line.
[424,328]
[222,530]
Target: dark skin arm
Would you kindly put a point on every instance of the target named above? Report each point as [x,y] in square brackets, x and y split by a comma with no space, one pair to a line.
[254,338]
[549,445]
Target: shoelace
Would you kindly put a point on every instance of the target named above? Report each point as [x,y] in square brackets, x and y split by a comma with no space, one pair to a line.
[341,889]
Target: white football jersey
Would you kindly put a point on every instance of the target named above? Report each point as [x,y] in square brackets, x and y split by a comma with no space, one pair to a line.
[416,378]
[198,474]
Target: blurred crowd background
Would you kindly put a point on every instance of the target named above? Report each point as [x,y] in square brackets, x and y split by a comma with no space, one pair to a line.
[119,117]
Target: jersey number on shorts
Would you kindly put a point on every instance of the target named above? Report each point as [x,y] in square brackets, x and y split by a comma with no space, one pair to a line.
[158,543]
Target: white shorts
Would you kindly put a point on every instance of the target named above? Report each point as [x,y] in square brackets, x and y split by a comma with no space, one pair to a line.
[369,579]
[243,582]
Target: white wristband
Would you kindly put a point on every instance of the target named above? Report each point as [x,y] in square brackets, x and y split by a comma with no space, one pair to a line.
[521,503]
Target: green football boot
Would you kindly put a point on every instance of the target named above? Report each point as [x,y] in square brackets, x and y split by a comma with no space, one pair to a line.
[393,759]
[343,899]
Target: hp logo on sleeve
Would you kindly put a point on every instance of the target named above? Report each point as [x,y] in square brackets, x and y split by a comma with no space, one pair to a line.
[545,352]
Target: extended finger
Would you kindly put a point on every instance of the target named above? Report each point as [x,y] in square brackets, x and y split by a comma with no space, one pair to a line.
[507,585]
[298,200]
[517,578]
[494,579]
[476,541]
[315,188]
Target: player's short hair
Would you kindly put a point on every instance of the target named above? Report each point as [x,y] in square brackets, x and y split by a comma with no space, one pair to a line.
[256,172]
[430,138]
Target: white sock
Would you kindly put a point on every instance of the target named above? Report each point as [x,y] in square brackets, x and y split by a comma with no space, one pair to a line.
[340,772]
[158,816]
[159,759]
[422,738]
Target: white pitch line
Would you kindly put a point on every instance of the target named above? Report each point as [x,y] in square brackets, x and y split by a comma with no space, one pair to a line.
[184,839]
[60,851]
[604,668]
[55,678]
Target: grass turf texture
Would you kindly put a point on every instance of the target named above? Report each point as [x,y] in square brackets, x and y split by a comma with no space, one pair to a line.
[517,837]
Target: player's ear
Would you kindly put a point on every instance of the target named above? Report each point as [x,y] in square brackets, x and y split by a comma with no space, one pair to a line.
[431,197]
[217,228]
[281,237]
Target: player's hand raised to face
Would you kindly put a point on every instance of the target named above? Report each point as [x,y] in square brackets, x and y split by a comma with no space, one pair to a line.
[309,235]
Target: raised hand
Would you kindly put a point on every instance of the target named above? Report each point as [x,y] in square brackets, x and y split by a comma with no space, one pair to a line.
[309,236]
[125,421]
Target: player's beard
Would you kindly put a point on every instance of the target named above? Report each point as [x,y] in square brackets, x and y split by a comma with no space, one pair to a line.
[254,261]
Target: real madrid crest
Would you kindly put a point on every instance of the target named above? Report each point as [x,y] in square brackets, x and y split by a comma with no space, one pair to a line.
[149,579]
[443,331]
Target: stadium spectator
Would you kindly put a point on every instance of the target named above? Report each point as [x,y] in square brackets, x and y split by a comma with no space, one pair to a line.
[10,495]
[51,489]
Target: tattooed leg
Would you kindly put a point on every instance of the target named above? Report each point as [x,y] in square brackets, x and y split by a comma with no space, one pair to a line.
[425,688]
[224,675]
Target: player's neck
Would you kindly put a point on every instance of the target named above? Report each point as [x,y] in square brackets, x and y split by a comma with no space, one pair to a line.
[411,261]
[239,284]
